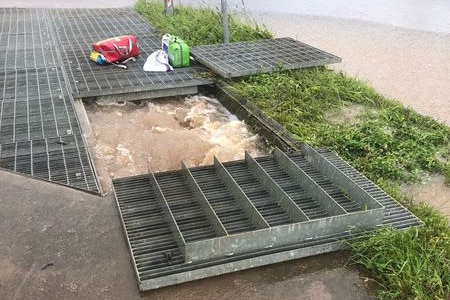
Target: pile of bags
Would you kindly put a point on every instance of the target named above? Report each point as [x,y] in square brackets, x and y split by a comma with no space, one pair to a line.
[119,50]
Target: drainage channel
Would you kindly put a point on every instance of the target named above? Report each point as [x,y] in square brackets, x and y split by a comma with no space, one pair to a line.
[236,215]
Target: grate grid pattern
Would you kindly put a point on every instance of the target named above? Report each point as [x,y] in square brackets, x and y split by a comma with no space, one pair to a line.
[39,130]
[254,57]
[157,255]
[76,29]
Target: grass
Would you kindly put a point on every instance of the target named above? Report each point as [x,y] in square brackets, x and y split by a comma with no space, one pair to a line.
[199,26]
[385,141]
[412,264]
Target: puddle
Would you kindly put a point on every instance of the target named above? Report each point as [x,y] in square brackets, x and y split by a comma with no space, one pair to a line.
[129,139]
[433,192]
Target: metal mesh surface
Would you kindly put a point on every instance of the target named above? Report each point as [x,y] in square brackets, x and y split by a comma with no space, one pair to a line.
[61,159]
[247,58]
[25,39]
[76,29]
[39,131]
[35,105]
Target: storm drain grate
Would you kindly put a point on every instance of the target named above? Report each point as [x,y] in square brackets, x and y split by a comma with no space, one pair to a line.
[254,57]
[76,29]
[39,130]
[35,105]
[205,221]
[25,39]
[63,160]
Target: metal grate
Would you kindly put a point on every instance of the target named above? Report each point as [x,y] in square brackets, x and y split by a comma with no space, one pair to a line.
[247,58]
[62,160]
[39,130]
[35,105]
[76,29]
[205,221]
[25,39]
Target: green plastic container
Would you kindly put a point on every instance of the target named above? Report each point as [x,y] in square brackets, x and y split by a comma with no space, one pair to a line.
[178,53]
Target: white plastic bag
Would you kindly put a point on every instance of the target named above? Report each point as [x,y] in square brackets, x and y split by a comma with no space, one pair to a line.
[158,61]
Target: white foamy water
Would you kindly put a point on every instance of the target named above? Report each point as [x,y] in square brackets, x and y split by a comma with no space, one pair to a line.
[130,139]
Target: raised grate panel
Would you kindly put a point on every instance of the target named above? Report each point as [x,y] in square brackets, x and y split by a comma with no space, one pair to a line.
[254,57]
[161,259]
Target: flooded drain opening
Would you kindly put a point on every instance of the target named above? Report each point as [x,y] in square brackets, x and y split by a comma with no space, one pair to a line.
[129,138]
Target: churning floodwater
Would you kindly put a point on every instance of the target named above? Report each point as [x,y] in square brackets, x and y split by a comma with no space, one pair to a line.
[131,139]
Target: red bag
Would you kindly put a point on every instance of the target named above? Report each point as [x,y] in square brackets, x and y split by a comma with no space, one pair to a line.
[117,49]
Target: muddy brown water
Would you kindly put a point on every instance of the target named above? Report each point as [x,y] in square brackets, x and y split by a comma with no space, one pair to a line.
[131,139]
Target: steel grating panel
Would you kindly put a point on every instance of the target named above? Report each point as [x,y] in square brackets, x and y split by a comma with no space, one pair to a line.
[76,29]
[39,130]
[62,160]
[253,200]
[254,57]
[25,39]
[35,105]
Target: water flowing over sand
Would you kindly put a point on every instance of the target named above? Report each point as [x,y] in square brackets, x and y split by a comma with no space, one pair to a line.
[130,139]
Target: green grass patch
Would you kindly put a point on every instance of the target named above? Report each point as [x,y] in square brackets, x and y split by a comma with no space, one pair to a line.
[385,141]
[199,26]
[412,264]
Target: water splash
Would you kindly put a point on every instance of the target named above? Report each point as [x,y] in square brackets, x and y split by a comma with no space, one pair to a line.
[129,139]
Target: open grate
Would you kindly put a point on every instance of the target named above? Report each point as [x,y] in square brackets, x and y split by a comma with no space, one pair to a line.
[254,57]
[205,221]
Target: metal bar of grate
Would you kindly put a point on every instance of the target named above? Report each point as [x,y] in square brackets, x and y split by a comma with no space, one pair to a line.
[365,199]
[203,202]
[308,184]
[309,205]
[396,215]
[240,195]
[277,192]
[254,57]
